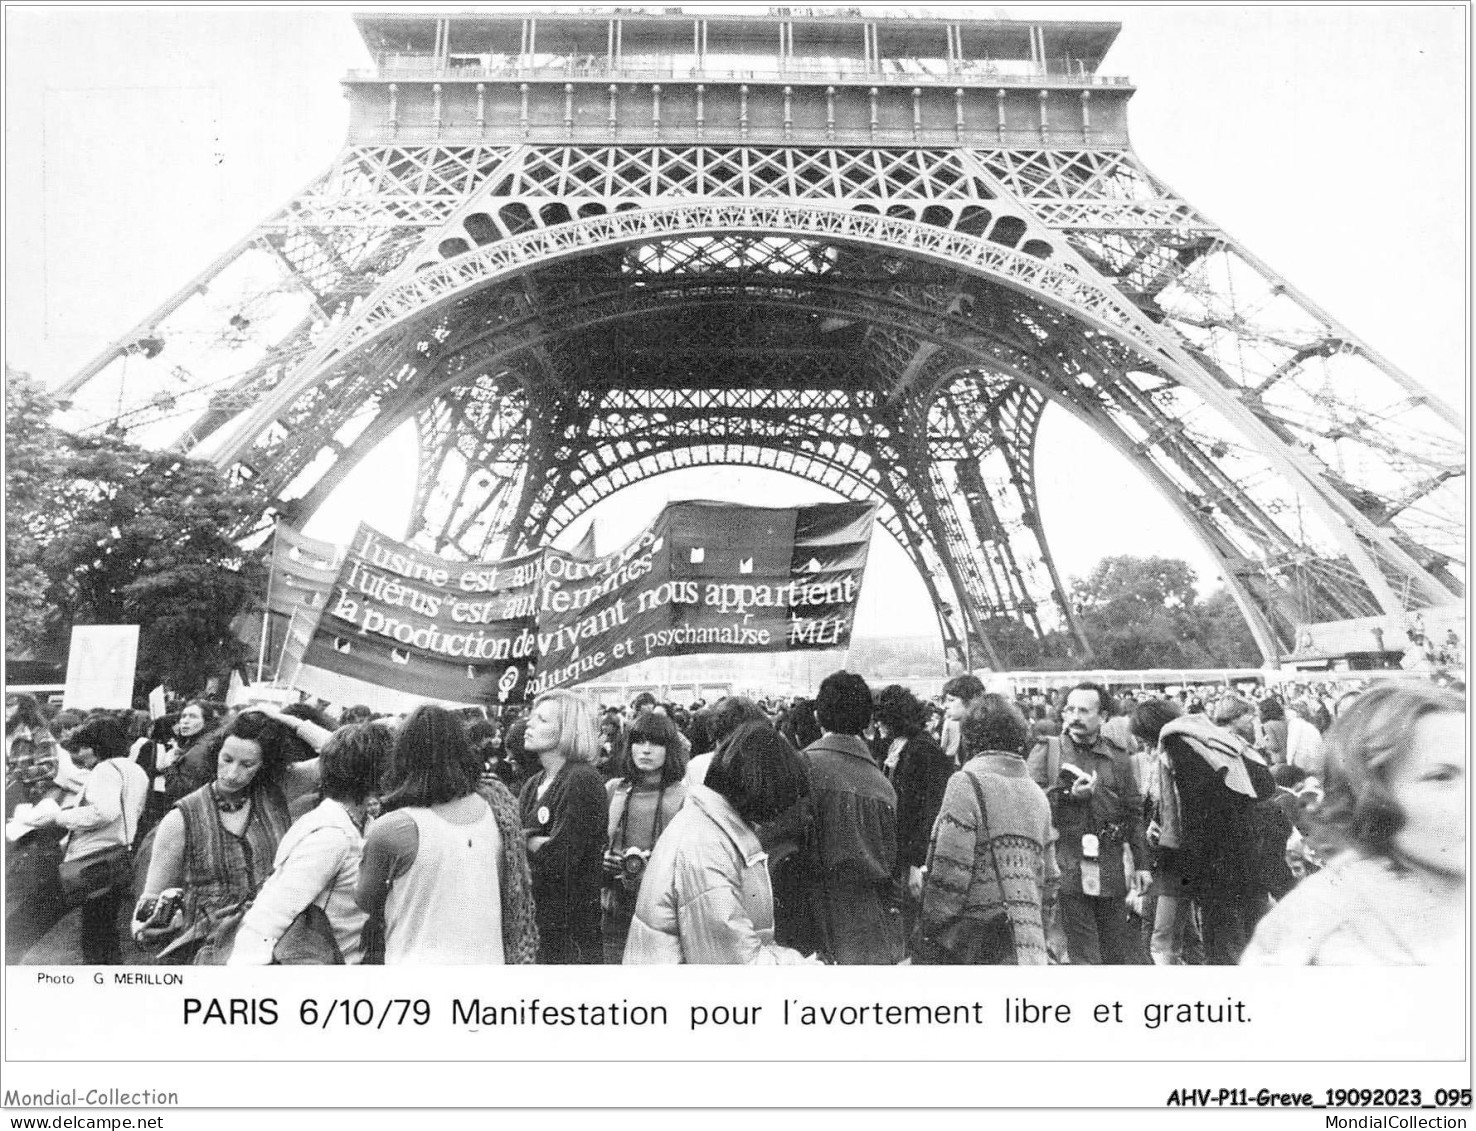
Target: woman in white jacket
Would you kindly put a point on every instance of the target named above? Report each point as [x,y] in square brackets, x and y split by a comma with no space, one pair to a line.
[706,896]
[318,859]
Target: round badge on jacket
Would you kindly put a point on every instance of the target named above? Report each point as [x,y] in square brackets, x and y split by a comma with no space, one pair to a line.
[543,814]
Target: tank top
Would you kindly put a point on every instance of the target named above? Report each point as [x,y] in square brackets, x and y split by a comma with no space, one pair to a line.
[446,910]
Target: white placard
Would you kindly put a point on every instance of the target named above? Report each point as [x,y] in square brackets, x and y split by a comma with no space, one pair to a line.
[100,667]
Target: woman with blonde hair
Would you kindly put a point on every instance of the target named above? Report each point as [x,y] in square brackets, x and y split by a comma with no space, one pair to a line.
[563,809]
[1394,809]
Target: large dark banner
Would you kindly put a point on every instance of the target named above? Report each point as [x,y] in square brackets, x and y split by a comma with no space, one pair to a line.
[399,617]
[704,577]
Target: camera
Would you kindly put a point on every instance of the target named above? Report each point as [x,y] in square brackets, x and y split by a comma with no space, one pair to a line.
[626,866]
[160,912]
[633,864]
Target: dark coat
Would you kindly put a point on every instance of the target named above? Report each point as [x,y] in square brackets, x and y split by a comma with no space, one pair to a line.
[1222,829]
[1114,814]
[920,778]
[850,854]
[567,870]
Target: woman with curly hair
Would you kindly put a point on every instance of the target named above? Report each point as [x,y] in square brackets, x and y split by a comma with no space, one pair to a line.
[1394,808]
[919,772]
[318,860]
[216,846]
[444,863]
[992,857]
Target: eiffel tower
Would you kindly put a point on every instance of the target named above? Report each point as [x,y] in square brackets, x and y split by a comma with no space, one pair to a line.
[577,250]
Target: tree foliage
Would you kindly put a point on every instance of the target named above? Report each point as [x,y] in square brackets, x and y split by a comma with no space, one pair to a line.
[115,534]
[1146,613]
[31,444]
[1226,635]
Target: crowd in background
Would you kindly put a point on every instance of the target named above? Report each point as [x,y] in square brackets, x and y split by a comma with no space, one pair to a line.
[1302,824]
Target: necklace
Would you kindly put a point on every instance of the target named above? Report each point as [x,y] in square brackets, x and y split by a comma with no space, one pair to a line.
[230,804]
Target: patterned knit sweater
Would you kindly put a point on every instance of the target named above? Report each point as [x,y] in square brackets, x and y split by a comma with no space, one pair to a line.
[962,880]
[519,927]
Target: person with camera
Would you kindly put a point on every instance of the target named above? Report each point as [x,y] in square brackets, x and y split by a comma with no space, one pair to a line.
[37,769]
[706,897]
[214,849]
[1097,809]
[643,799]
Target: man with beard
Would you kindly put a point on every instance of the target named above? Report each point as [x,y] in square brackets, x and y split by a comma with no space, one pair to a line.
[1097,808]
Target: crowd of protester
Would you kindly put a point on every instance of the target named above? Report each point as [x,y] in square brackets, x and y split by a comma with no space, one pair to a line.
[1292,824]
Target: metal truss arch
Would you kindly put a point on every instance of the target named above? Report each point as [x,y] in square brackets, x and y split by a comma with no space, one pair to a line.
[435,286]
[551,300]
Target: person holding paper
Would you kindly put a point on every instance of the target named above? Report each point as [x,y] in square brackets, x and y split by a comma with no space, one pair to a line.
[103,819]
[31,759]
[39,778]
[1393,806]
[1097,809]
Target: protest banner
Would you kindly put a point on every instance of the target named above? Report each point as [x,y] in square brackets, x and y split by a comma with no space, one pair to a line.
[402,618]
[703,577]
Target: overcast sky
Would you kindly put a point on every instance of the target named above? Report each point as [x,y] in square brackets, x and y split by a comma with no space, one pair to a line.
[1332,141]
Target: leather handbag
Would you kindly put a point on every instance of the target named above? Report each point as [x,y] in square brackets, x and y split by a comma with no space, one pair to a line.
[309,941]
[971,940]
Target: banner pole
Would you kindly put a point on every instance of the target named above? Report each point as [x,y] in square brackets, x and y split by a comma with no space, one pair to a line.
[266,610]
[282,655]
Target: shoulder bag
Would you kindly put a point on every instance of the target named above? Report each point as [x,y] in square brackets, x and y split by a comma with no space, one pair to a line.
[99,872]
[309,941]
[969,940]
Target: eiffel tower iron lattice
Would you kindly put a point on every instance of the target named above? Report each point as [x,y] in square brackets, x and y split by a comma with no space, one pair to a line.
[871,259]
